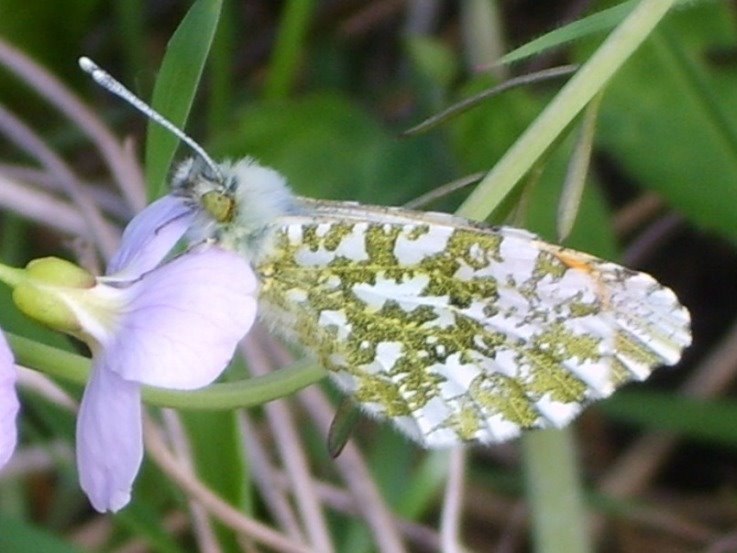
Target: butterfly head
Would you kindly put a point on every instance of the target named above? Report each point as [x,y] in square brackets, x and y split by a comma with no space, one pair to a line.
[212,192]
[238,202]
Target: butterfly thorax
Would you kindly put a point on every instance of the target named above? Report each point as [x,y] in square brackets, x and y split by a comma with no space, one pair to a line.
[238,205]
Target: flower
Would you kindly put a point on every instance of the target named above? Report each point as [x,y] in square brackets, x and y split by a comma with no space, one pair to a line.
[172,324]
[9,405]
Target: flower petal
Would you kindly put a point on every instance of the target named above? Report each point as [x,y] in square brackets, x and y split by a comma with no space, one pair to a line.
[184,320]
[109,441]
[150,236]
[9,405]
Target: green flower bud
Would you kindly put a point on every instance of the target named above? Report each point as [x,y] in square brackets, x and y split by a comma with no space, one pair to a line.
[59,272]
[42,291]
[45,305]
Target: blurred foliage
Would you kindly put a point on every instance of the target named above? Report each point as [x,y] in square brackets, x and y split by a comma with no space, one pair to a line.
[321,91]
[672,102]
[48,31]
[329,147]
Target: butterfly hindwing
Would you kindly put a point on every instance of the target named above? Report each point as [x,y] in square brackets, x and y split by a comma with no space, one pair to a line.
[459,332]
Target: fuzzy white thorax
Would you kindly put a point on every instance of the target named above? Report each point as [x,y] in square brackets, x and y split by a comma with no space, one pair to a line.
[260,195]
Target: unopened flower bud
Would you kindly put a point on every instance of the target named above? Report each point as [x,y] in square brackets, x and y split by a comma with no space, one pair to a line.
[45,305]
[59,272]
[40,292]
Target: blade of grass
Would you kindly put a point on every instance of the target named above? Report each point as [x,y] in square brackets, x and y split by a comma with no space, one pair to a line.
[129,15]
[554,492]
[220,98]
[468,103]
[289,48]
[710,421]
[578,170]
[567,104]
[594,23]
[176,85]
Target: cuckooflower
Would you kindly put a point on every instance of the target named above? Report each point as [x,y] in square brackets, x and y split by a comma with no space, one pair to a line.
[172,324]
[8,403]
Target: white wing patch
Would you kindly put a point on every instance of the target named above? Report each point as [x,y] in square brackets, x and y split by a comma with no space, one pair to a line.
[459,333]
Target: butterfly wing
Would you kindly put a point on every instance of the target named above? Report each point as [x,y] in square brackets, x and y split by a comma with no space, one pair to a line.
[459,332]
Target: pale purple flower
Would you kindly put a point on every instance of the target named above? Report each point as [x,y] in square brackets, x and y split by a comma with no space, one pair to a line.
[174,324]
[8,403]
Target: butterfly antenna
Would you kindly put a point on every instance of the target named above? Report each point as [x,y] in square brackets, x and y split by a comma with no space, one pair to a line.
[107,81]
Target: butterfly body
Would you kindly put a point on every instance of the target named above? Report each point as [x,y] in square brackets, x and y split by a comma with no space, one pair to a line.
[455,331]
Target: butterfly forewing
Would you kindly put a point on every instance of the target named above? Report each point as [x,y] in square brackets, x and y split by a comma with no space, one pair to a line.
[459,332]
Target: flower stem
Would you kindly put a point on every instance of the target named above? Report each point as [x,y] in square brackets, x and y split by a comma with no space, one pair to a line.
[243,393]
[11,276]
[230,395]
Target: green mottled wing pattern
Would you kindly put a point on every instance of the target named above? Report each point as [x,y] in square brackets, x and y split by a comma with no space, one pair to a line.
[459,332]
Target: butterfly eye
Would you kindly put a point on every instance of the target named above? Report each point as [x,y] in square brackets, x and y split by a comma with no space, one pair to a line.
[219,206]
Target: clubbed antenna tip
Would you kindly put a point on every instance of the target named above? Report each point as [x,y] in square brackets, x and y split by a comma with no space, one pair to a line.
[108,82]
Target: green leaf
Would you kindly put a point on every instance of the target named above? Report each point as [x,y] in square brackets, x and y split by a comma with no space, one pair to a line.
[17,535]
[578,170]
[215,440]
[327,147]
[563,528]
[580,28]
[671,120]
[706,420]
[347,415]
[290,46]
[594,23]
[590,80]
[176,85]
[433,59]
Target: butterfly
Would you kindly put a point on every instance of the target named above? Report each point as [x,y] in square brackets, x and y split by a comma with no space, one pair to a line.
[455,331]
